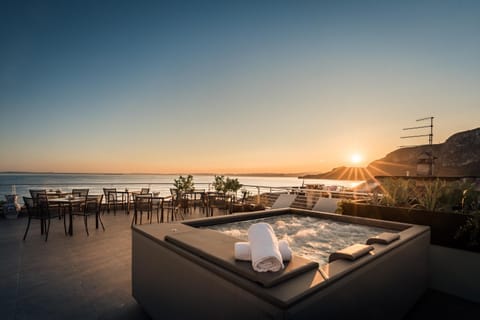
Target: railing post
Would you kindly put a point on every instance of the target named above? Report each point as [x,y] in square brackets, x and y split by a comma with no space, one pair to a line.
[258,195]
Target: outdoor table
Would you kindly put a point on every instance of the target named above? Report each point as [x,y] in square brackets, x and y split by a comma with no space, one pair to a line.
[68,202]
[162,200]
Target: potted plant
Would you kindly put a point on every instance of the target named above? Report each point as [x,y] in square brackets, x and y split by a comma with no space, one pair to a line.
[219,183]
[184,184]
[448,208]
[232,185]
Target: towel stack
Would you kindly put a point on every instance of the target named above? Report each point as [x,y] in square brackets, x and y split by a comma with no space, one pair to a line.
[263,249]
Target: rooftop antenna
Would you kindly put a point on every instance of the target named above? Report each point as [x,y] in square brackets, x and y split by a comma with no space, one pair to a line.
[429,135]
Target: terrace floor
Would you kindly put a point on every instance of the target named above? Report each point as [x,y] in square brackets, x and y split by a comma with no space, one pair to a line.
[82,277]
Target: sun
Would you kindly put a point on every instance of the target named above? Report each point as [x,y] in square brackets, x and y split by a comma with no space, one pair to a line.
[356,158]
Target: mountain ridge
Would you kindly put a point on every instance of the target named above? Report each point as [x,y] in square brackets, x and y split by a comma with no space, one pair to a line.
[459,155]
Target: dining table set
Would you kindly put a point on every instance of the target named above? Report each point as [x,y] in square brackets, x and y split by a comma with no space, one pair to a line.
[48,204]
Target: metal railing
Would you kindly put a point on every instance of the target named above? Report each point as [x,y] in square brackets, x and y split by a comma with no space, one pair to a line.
[255,194]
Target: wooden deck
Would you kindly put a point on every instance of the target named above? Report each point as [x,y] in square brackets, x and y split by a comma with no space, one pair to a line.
[89,277]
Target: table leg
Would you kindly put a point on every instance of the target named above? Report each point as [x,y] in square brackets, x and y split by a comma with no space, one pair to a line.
[128,203]
[161,212]
[70,227]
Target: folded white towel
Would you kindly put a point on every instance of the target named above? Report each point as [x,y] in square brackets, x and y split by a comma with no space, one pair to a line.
[243,252]
[264,248]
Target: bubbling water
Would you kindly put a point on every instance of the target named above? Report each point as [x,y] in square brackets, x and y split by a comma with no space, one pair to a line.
[308,237]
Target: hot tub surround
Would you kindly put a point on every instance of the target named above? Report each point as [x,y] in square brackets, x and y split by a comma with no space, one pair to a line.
[194,276]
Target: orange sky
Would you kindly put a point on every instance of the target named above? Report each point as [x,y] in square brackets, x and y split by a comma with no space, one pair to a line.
[235,88]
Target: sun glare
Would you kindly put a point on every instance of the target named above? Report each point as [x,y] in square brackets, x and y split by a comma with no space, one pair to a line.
[356,158]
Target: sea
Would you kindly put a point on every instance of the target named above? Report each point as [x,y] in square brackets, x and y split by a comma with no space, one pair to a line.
[21,183]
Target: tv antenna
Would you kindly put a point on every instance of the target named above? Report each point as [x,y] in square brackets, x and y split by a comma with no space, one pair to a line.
[429,135]
[431,158]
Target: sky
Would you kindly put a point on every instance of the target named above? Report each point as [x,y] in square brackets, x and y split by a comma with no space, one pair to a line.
[230,86]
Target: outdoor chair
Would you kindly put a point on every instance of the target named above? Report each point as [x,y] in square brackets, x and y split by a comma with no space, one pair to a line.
[158,205]
[177,205]
[218,201]
[91,207]
[144,190]
[112,200]
[143,203]
[39,209]
[170,209]
[79,193]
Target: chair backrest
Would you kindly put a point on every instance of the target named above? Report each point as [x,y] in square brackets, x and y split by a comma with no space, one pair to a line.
[284,201]
[326,205]
[35,195]
[110,194]
[217,200]
[143,201]
[41,203]
[94,203]
[144,190]
[29,205]
[80,192]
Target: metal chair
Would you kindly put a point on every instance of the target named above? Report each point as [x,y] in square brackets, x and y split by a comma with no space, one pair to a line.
[219,201]
[92,206]
[39,209]
[79,193]
[142,203]
[112,199]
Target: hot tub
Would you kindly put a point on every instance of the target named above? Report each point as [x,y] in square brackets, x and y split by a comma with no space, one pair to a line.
[184,270]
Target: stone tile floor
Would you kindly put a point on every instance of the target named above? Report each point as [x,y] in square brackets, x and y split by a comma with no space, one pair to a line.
[89,277]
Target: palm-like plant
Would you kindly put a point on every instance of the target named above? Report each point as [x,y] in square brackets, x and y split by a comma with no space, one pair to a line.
[219,183]
[184,184]
[396,192]
[429,197]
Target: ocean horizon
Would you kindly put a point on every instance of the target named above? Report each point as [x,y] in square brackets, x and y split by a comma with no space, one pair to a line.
[21,183]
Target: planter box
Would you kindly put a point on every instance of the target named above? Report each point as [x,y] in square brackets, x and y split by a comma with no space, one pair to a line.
[443,225]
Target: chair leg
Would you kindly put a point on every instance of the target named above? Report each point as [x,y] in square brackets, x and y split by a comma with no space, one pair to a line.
[99,217]
[28,227]
[48,229]
[134,218]
[65,223]
[86,224]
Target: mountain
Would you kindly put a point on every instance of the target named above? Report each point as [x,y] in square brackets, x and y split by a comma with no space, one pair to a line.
[459,155]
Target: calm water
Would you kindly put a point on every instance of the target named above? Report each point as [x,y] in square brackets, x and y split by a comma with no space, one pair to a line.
[156,182]
[308,237]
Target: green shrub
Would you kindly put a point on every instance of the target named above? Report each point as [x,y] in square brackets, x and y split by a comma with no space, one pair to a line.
[184,183]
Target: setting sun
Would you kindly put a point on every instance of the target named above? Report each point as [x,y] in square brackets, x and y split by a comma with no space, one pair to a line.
[356,158]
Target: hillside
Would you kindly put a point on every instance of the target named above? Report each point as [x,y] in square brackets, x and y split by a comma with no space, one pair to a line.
[459,155]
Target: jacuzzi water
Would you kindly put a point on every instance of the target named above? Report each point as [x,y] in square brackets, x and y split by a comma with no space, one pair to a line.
[308,237]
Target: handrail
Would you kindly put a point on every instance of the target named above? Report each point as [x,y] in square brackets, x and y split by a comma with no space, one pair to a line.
[255,193]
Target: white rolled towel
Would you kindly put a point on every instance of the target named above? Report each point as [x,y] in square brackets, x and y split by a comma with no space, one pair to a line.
[264,248]
[243,252]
